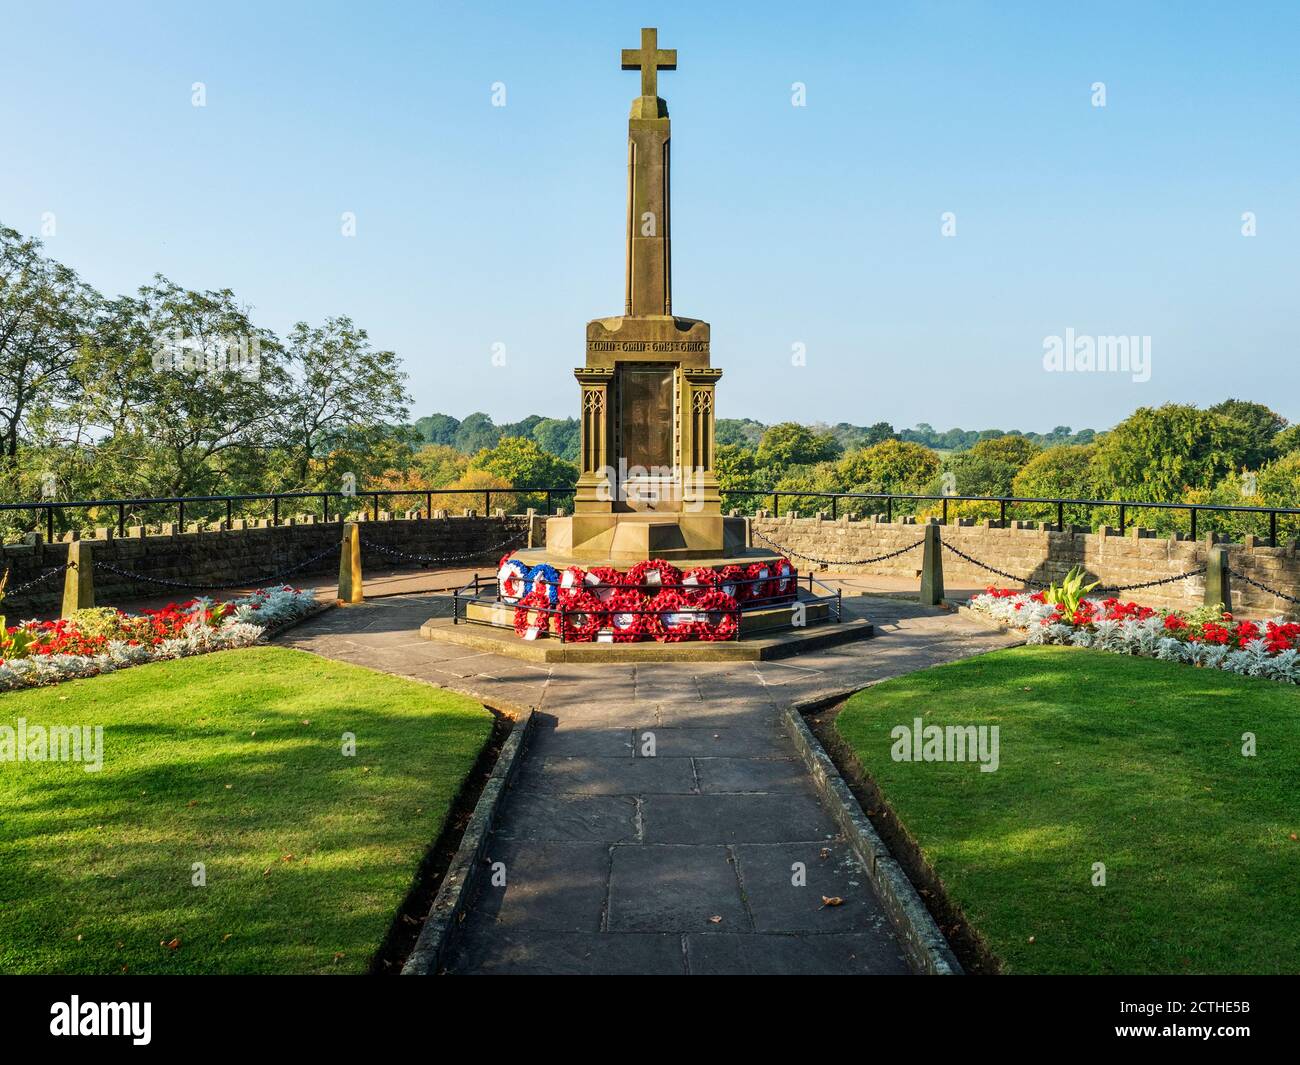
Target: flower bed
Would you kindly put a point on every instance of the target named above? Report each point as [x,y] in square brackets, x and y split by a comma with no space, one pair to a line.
[104,639]
[1205,637]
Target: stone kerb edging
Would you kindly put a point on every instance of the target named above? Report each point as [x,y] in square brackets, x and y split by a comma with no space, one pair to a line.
[458,884]
[924,944]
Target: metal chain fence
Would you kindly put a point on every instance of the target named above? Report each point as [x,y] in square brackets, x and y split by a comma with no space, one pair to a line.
[266,579]
[13,593]
[1263,587]
[837,561]
[1030,582]
[393,552]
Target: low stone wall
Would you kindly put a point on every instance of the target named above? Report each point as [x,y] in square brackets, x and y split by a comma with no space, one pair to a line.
[253,552]
[249,553]
[1027,549]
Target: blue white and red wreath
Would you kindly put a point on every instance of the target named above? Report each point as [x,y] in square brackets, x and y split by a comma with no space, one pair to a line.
[544,578]
[512,580]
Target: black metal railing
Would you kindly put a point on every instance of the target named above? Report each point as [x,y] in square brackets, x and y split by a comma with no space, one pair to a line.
[272,503]
[233,506]
[1006,503]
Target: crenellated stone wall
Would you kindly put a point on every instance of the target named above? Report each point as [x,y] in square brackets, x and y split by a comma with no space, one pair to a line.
[1039,552]
[250,553]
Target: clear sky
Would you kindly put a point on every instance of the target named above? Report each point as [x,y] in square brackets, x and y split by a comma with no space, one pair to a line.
[817,225]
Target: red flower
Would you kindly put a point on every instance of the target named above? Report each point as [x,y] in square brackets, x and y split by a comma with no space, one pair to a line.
[719,616]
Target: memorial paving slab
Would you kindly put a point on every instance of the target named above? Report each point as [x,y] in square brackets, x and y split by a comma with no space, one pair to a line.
[661,820]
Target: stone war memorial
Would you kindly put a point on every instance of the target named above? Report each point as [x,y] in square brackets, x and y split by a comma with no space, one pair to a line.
[647,527]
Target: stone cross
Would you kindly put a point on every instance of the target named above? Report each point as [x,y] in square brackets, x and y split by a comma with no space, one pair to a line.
[650,59]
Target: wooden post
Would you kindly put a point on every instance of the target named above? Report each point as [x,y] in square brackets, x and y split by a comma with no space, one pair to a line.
[351,589]
[932,568]
[1218,584]
[78,579]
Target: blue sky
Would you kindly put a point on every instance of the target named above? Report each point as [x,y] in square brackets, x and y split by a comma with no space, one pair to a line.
[817,225]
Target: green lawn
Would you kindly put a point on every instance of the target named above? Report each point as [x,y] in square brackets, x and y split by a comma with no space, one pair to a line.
[234,760]
[1131,762]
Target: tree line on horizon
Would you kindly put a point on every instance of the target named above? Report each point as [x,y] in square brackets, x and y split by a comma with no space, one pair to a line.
[1235,453]
[559,436]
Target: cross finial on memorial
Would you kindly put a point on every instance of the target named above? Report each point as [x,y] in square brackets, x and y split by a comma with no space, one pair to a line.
[650,59]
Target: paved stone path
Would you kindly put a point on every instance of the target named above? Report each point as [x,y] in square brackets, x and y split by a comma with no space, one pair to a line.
[616,862]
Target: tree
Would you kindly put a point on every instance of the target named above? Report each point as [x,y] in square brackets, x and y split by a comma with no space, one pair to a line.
[1013,450]
[345,394]
[878,434]
[1287,440]
[734,465]
[476,433]
[559,436]
[520,463]
[1064,472]
[45,313]
[1156,454]
[1278,483]
[189,377]
[438,429]
[792,444]
[850,437]
[821,477]
[520,428]
[440,465]
[976,474]
[1262,427]
[743,431]
[894,466]
[957,439]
